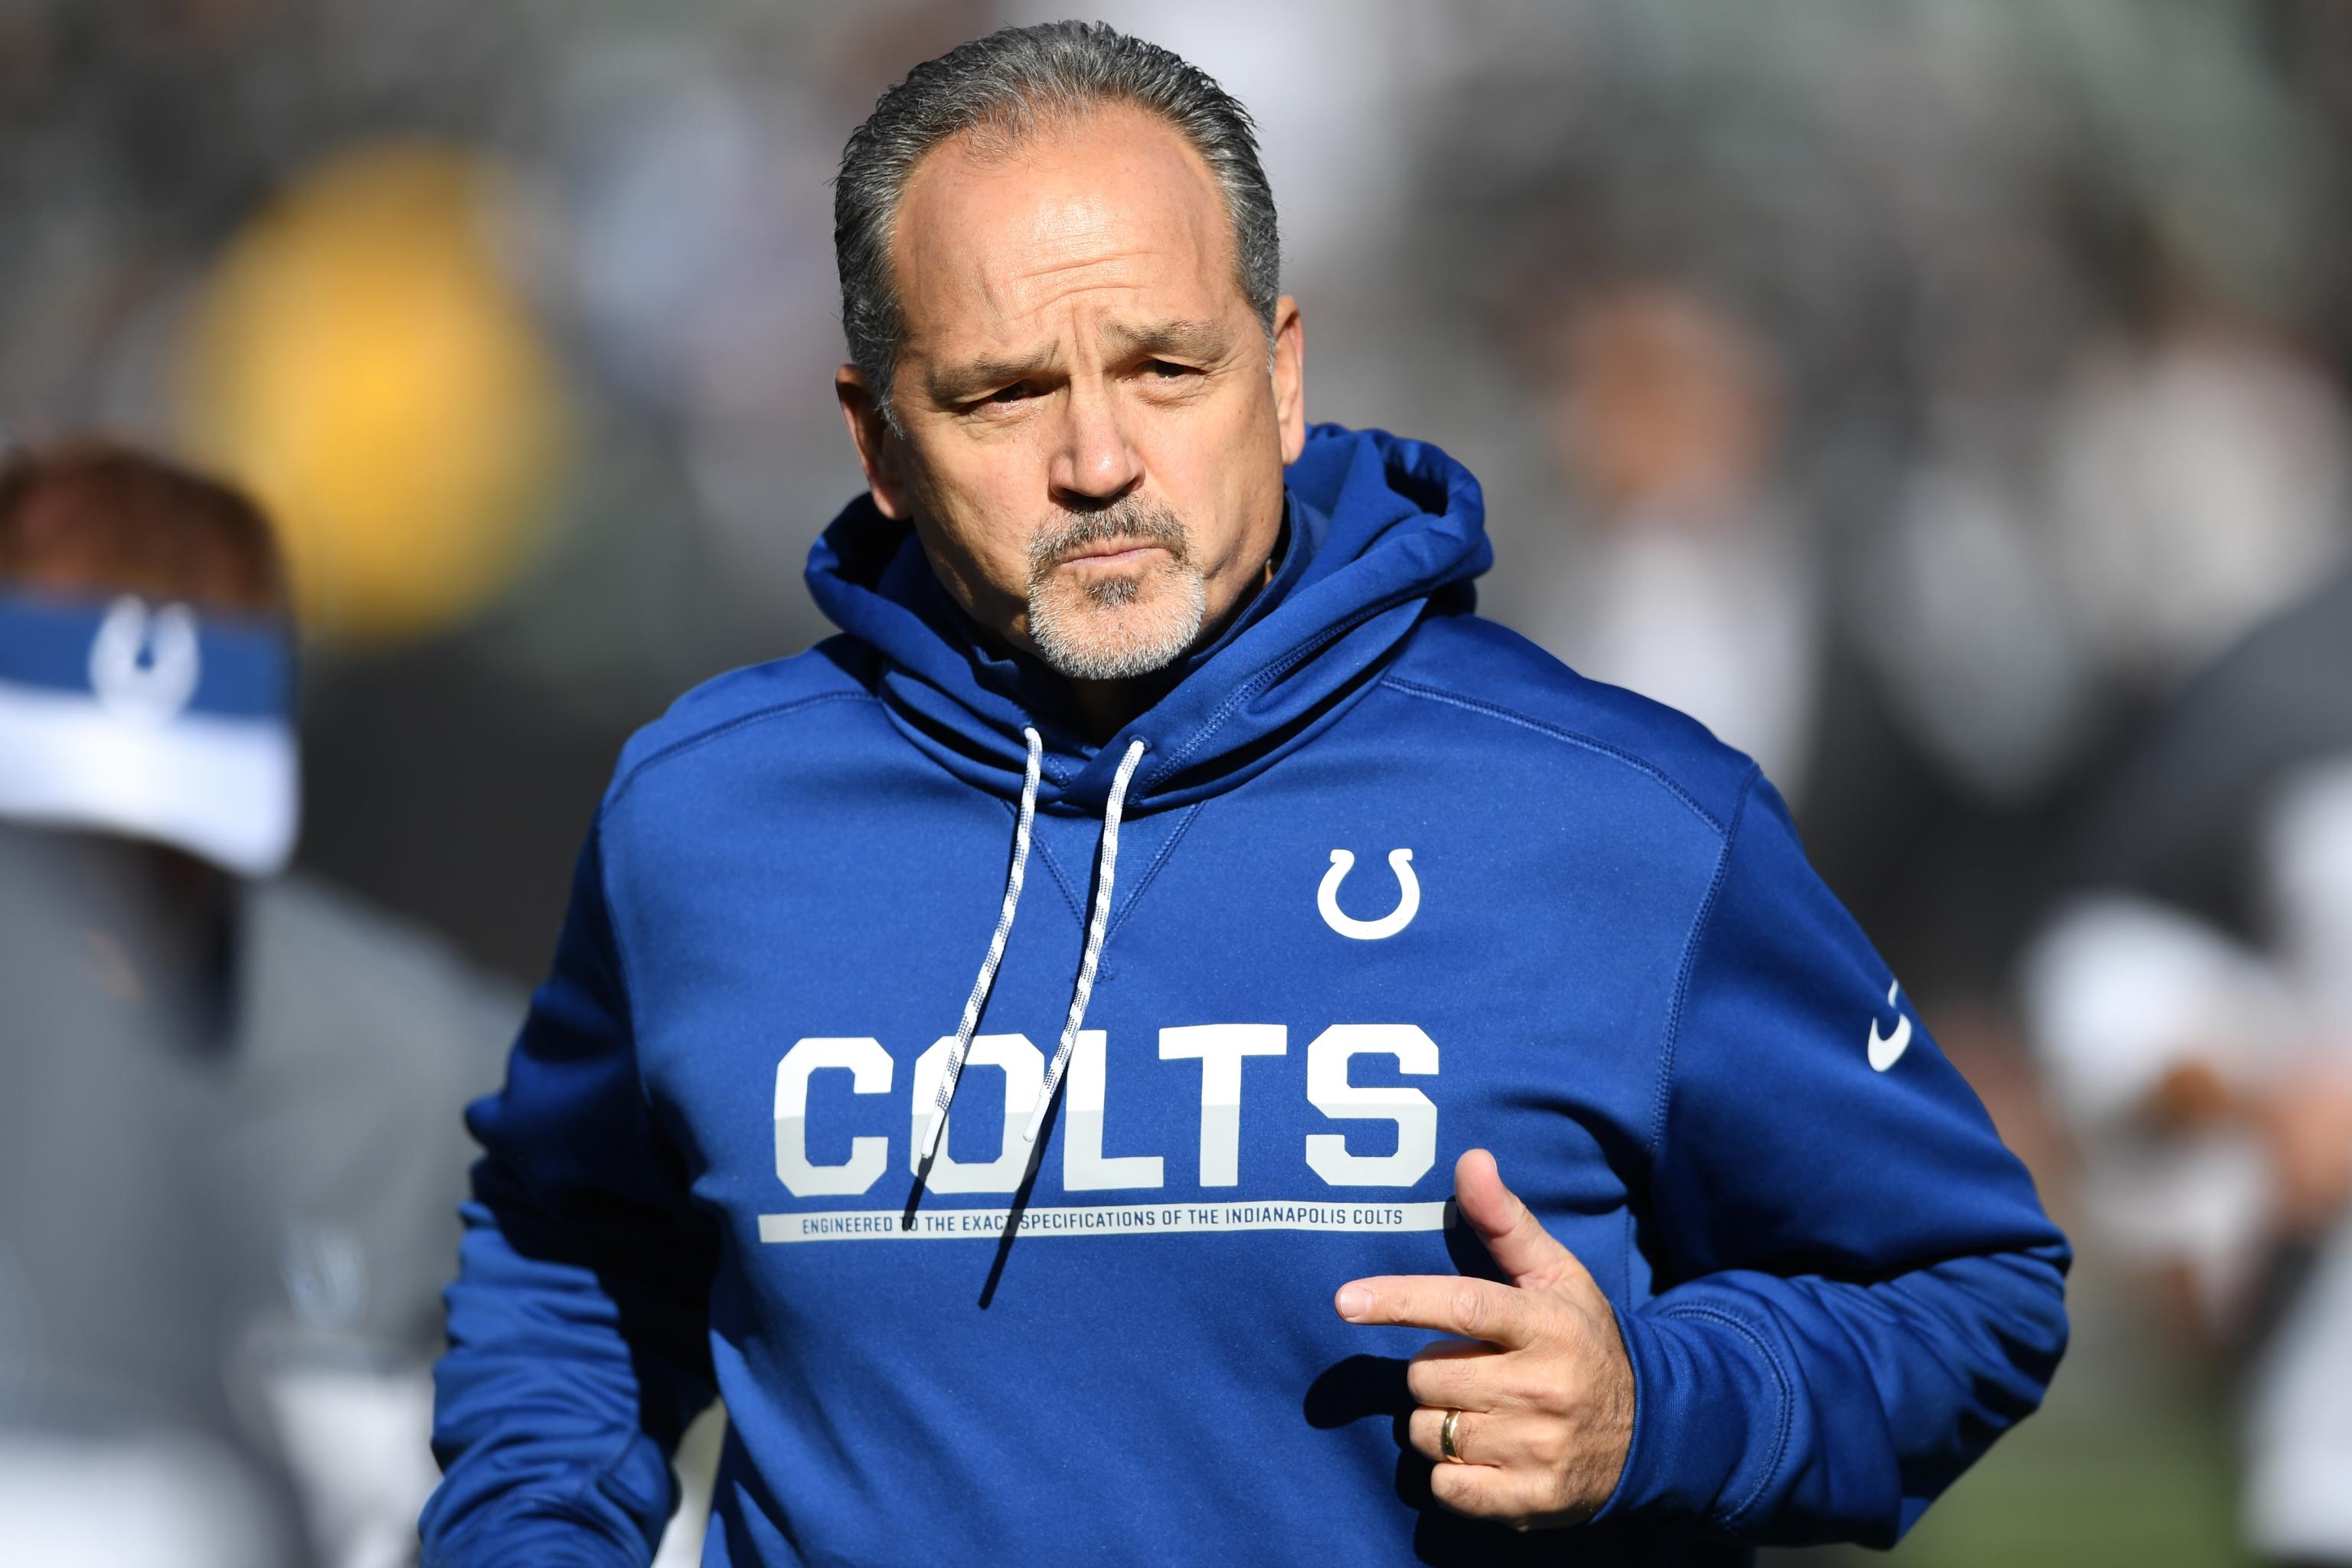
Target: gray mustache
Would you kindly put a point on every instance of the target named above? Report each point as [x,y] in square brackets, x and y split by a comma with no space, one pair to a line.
[1127,522]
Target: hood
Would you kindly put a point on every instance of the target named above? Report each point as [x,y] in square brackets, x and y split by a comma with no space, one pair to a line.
[1379,531]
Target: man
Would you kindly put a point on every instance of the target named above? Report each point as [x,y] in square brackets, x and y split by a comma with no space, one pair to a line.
[1316,888]
[227,1150]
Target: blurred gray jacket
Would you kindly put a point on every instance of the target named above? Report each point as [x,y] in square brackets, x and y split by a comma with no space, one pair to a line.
[229,1166]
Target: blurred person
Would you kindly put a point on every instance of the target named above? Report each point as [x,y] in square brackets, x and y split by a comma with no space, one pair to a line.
[2065,552]
[2202,481]
[1109,599]
[2194,1007]
[225,1164]
[2209,1085]
[1693,588]
[2298,1431]
[2182,815]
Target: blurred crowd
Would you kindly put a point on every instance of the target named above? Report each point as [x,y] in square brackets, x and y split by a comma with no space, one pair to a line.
[1945,400]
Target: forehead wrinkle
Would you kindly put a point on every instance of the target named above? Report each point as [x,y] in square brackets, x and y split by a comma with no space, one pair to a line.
[1041,289]
[1109,232]
[1004,331]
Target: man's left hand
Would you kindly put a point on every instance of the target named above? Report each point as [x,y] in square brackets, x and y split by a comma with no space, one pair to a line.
[1544,1390]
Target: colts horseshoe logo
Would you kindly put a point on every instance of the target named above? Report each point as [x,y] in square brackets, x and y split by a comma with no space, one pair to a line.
[145,667]
[1326,898]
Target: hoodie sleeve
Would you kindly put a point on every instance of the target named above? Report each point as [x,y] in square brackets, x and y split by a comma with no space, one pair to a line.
[578,1349]
[1857,1289]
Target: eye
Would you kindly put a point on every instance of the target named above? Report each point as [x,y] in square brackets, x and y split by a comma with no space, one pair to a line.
[1165,369]
[1013,394]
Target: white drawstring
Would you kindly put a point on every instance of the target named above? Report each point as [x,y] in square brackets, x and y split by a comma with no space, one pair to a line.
[1111,809]
[987,977]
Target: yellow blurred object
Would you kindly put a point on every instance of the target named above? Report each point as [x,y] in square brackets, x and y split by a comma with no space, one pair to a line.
[360,361]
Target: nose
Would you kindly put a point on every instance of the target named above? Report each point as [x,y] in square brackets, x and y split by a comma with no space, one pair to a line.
[1094,463]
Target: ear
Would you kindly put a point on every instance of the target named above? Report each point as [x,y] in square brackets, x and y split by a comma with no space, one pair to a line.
[878,450]
[1290,377]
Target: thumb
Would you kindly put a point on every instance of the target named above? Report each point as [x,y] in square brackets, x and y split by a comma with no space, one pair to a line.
[1519,1243]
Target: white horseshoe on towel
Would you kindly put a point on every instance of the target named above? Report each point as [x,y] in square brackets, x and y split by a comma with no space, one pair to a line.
[1326,898]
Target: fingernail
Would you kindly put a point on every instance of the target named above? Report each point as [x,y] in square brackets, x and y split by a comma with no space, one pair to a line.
[1354,1302]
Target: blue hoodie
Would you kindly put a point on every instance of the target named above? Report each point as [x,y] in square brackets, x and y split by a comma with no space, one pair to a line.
[1390,884]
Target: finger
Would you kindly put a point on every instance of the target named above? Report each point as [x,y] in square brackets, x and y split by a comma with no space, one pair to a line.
[1487,1491]
[1474,1308]
[1525,1251]
[1463,1374]
[1479,1437]
[1496,1381]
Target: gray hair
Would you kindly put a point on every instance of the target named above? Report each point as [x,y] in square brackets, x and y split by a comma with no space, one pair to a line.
[1003,86]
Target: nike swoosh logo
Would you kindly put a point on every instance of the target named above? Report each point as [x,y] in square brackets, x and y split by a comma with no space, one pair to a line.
[1886,1050]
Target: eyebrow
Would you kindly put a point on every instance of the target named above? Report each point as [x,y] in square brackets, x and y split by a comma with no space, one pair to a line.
[951,385]
[1192,339]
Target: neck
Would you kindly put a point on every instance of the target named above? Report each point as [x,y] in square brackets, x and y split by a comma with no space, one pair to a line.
[1103,707]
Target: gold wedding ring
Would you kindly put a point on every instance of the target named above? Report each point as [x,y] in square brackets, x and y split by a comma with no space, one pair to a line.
[1445,1437]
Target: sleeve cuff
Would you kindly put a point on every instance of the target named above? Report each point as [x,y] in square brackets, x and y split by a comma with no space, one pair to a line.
[1712,1407]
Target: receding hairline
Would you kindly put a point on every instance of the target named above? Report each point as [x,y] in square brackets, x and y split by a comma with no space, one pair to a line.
[987,149]
[1000,91]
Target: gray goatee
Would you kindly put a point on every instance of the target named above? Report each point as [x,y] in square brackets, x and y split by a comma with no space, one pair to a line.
[1116,625]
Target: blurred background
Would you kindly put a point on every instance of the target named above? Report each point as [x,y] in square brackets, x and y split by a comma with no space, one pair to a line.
[1945,400]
